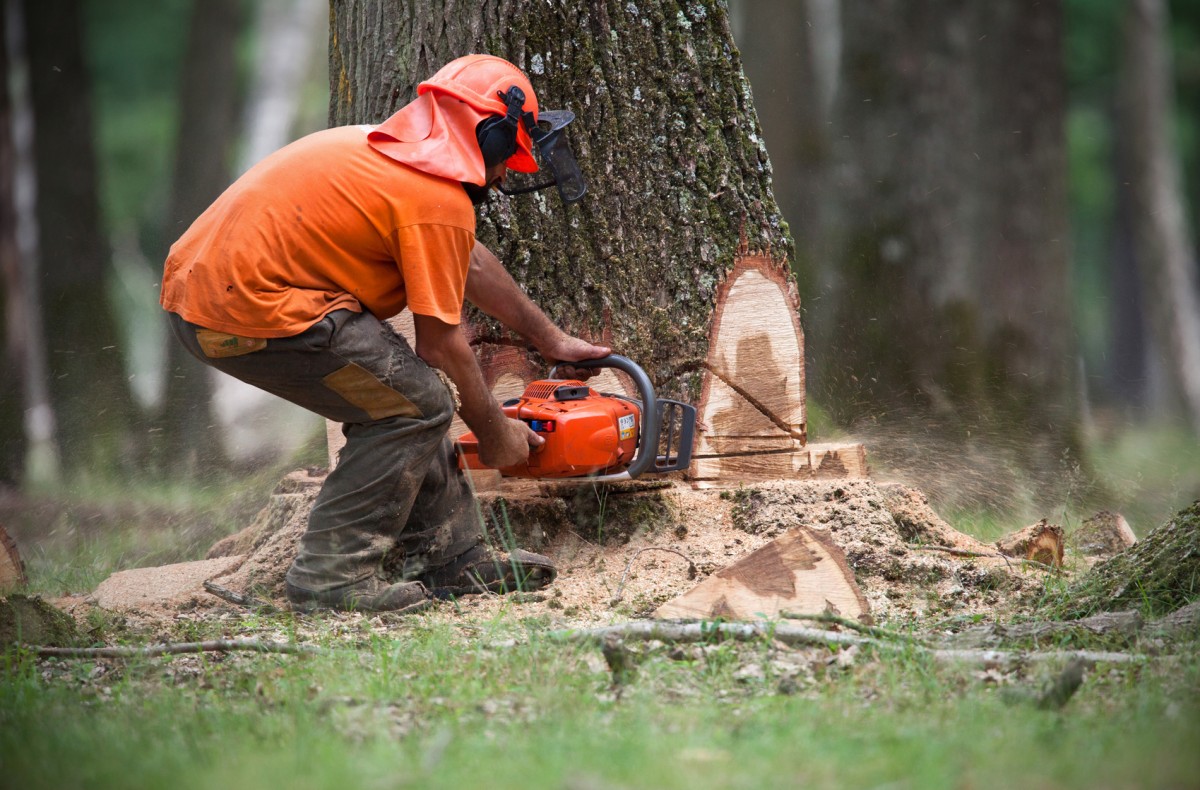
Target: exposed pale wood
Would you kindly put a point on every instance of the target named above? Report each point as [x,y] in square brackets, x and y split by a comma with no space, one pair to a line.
[801,571]
[1041,542]
[1103,535]
[752,398]
[12,569]
[810,462]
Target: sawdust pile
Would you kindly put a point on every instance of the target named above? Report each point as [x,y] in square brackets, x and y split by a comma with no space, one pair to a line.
[624,550]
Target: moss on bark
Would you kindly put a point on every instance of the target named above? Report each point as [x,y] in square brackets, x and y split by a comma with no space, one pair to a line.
[1156,575]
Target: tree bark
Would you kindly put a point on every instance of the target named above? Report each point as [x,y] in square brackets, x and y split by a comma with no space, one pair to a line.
[951,305]
[89,389]
[208,102]
[12,369]
[679,219]
[27,431]
[1163,247]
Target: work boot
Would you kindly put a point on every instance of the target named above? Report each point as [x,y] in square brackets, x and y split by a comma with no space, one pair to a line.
[482,569]
[373,594]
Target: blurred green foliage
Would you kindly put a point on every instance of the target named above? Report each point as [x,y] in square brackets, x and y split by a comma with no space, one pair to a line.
[135,50]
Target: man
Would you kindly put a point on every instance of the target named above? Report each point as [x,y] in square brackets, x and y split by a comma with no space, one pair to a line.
[284,283]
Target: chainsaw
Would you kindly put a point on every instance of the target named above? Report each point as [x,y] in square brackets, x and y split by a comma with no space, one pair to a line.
[602,437]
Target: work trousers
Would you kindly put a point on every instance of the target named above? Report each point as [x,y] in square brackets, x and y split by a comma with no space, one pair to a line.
[396,481]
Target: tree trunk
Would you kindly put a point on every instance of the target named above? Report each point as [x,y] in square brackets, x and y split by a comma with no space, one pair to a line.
[1163,247]
[208,105]
[89,390]
[26,417]
[952,305]
[678,256]
[12,400]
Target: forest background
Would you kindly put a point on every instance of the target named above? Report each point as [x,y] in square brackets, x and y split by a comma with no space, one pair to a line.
[123,120]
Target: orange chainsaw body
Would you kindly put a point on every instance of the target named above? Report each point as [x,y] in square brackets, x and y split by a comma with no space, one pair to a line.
[586,433]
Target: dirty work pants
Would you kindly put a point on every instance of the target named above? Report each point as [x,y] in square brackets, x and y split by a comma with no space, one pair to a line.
[396,481]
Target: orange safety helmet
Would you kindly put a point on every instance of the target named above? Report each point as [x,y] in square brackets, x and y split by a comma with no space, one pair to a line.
[436,133]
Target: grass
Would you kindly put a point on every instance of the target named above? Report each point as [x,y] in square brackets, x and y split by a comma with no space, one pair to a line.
[429,704]
[432,701]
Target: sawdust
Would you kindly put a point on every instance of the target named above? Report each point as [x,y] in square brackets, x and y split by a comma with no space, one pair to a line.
[603,540]
[164,586]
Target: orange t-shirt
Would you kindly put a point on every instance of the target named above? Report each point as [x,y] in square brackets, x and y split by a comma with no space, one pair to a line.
[323,224]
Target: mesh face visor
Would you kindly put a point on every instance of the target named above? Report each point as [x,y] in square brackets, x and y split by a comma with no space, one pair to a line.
[556,154]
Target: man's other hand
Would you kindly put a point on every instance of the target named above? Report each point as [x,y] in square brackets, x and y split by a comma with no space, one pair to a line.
[509,446]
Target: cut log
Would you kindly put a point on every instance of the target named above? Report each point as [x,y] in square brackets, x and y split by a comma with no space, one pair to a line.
[803,571]
[12,569]
[1103,535]
[1041,542]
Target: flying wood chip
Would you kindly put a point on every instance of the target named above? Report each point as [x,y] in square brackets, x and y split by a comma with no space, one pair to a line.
[802,572]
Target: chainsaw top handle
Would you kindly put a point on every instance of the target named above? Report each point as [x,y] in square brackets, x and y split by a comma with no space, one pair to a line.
[647,447]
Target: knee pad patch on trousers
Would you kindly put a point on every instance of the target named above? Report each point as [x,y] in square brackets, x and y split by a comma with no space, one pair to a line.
[360,388]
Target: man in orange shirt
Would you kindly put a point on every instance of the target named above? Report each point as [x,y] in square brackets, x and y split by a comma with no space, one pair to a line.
[284,282]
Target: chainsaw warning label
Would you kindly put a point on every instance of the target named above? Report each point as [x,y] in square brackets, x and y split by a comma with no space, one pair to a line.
[627,424]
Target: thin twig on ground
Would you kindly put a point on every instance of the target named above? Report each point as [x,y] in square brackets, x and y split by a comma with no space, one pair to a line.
[239,599]
[175,648]
[678,631]
[624,576]
[853,625]
[990,555]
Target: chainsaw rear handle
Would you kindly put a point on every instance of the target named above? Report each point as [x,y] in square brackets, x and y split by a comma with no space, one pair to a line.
[647,447]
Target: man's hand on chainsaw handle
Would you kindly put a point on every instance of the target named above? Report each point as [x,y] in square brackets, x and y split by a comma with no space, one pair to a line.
[493,290]
[502,441]
[512,444]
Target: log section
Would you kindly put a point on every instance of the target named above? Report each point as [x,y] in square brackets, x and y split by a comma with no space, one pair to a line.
[802,572]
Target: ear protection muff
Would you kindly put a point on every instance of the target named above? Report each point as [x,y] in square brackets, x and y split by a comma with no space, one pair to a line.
[497,135]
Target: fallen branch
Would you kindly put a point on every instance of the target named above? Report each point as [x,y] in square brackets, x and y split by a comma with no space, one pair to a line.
[668,631]
[624,576]
[174,648]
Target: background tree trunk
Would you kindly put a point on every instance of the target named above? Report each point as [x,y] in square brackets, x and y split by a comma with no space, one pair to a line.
[791,53]
[89,390]
[12,368]
[208,128]
[27,434]
[951,305]
[679,220]
[1163,247]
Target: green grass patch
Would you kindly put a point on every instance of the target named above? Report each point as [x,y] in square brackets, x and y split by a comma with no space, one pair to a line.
[432,705]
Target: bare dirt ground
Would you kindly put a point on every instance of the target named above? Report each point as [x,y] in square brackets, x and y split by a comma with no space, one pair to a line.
[622,551]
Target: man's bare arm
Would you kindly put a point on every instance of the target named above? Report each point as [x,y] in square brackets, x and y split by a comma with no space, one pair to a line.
[493,290]
[502,441]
